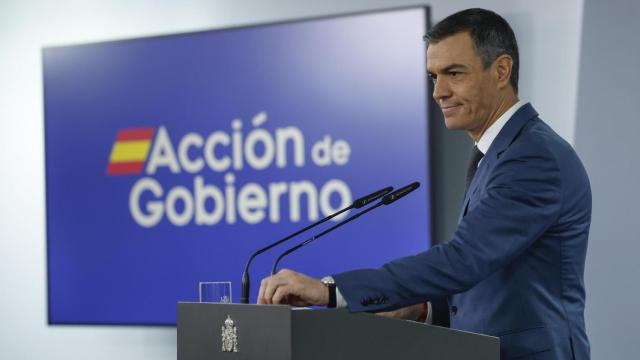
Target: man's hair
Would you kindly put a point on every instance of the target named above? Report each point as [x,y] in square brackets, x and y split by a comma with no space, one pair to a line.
[490,33]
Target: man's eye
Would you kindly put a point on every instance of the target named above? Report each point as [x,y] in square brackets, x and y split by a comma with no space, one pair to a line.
[454,74]
[432,78]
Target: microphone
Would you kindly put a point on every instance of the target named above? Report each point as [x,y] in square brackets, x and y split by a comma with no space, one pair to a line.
[359,203]
[400,193]
[386,200]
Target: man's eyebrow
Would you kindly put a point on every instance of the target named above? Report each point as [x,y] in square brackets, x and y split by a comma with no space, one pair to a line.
[448,68]
[451,67]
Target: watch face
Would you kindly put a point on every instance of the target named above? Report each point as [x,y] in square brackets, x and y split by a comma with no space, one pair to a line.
[328,280]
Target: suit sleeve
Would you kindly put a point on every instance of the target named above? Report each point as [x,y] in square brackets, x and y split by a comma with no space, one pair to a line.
[522,200]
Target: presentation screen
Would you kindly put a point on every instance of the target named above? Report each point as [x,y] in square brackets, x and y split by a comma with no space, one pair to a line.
[170,159]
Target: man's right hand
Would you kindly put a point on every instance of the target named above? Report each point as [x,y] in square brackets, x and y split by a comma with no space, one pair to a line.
[293,288]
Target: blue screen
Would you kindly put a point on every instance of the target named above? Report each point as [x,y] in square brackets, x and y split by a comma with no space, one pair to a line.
[170,159]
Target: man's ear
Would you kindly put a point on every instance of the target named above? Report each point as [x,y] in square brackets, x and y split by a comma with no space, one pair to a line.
[502,70]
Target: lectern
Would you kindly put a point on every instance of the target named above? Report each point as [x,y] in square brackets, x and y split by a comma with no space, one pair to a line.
[277,332]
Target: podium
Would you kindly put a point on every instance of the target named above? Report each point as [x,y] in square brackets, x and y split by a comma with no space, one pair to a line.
[278,332]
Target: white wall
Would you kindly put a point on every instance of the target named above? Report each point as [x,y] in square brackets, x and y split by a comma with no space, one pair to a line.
[543,28]
[607,139]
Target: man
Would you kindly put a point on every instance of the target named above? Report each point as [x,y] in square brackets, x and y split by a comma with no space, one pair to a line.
[514,266]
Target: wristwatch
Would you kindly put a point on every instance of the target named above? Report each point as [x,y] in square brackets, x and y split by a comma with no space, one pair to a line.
[331,285]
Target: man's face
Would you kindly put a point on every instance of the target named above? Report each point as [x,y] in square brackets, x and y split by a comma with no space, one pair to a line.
[465,91]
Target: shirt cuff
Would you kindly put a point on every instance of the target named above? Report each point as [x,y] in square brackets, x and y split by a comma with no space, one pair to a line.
[341,303]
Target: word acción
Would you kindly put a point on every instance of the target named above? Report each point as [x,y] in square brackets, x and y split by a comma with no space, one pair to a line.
[221,151]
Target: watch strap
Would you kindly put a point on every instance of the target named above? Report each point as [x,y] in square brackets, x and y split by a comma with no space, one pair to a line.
[332,295]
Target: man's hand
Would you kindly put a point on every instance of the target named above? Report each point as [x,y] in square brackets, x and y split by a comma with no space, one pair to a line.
[416,312]
[290,287]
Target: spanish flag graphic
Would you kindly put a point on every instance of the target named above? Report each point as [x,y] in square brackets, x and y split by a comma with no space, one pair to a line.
[130,151]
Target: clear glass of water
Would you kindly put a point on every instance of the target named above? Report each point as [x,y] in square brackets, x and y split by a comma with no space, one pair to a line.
[214,291]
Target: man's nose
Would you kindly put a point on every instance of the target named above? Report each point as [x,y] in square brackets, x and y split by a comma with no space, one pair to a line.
[441,89]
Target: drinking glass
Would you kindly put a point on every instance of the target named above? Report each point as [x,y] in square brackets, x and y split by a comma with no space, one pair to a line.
[215,291]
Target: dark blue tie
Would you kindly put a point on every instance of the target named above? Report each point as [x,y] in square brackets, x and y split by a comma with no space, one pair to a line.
[476,156]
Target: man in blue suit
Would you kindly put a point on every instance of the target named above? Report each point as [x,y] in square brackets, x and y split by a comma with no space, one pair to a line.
[514,267]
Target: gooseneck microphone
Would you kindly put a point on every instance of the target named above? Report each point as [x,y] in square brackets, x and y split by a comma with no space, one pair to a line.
[386,200]
[359,203]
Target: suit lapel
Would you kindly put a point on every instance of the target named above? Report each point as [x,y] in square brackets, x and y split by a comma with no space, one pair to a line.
[506,136]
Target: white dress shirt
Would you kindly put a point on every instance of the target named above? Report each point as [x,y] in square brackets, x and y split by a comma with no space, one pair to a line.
[490,134]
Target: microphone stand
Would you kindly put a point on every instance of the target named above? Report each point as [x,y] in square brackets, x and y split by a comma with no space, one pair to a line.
[386,200]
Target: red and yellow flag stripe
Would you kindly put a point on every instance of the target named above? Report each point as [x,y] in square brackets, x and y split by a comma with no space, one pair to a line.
[130,151]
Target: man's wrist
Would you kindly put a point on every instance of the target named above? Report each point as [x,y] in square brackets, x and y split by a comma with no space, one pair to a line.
[330,284]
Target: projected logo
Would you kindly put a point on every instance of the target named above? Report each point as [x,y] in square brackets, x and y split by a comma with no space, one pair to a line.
[228,151]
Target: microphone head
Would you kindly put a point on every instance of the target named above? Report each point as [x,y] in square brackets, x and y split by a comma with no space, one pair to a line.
[400,193]
[371,197]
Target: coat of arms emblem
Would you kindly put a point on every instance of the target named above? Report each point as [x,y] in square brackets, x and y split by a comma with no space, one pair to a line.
[229,336]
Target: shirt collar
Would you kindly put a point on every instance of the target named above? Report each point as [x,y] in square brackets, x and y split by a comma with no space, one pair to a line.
[492,132]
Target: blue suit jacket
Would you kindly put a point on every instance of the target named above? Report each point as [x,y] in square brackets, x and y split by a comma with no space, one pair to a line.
[514,267]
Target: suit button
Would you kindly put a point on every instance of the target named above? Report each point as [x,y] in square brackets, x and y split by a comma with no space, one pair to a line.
[454,310]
